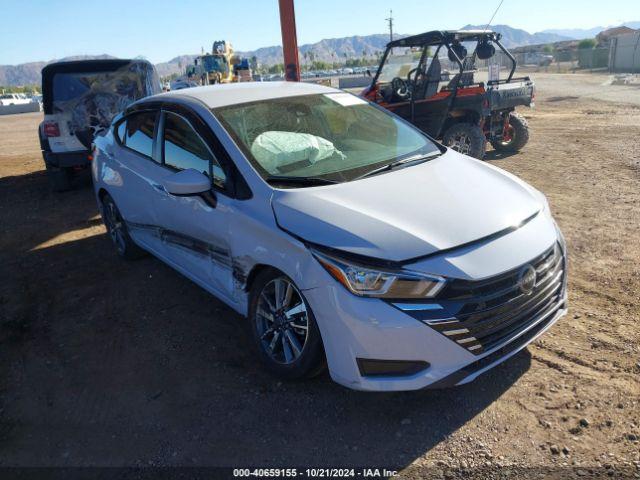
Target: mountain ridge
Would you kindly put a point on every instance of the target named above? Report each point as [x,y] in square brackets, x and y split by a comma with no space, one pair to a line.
[331,50]
[582,33]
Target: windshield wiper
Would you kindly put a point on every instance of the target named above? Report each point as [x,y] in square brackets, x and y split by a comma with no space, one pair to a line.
[309,181]
[413,160]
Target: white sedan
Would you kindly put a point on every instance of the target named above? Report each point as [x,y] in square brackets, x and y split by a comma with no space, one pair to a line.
[347,237]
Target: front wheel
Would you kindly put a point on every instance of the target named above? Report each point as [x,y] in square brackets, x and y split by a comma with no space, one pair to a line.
[467,139]
[284,329]
[516,134]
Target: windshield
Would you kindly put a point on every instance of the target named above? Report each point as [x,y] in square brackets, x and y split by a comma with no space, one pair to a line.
[214,64]
[398,65]
[333,136]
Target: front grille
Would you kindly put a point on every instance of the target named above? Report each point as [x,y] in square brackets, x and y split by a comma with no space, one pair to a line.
[486,313]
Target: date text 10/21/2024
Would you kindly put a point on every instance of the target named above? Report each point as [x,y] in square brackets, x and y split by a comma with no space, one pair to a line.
[315,472]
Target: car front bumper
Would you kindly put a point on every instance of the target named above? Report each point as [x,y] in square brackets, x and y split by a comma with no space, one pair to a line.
[354,327]
[364,328]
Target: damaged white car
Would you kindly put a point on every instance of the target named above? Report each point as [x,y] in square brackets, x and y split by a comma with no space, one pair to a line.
[347,237]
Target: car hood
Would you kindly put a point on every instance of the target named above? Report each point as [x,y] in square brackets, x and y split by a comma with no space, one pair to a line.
[411,212]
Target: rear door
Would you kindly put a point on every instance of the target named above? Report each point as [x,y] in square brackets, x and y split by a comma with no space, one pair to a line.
[134,182]
[73,105]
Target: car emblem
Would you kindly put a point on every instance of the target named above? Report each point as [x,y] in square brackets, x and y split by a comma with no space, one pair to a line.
[527,279]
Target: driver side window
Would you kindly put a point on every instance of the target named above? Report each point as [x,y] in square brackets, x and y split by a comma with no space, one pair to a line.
[183,148]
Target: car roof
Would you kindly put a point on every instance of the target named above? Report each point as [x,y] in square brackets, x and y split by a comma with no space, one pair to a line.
[93,65]
[81,66]
[222,95]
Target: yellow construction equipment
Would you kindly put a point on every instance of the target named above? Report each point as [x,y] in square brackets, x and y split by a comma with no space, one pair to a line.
[221,65]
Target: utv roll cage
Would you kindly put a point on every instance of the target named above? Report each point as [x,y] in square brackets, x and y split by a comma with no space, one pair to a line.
[450,39]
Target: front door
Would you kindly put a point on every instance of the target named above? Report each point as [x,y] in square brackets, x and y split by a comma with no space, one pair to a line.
[194,229]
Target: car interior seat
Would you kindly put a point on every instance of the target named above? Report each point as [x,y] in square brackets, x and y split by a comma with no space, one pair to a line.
[427,84]
[433,78]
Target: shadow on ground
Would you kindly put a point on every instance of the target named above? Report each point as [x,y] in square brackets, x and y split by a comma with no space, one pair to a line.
[496,155]
[105,362]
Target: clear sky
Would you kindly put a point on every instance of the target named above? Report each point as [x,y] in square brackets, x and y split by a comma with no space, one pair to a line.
[33,30]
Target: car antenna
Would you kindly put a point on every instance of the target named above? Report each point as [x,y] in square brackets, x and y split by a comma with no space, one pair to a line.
[493,16]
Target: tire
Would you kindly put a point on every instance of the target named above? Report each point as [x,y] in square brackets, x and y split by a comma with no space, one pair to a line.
[467,139]
[59,178]
[117,230]
[288,352]
[519,135]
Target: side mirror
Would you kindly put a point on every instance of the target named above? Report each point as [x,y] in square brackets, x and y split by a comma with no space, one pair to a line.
[187,182]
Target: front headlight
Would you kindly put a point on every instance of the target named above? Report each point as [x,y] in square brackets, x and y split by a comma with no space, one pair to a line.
[374,282]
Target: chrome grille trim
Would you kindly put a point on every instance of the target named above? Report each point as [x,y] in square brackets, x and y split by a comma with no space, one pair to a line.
[492,312]
[455,332]
[417,306]
[443,321]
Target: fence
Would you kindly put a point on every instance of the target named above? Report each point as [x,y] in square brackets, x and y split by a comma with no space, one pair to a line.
[624,53]
[593,58]
[20,108]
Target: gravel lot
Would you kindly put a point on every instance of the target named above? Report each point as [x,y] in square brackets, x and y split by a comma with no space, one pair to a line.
[109,363]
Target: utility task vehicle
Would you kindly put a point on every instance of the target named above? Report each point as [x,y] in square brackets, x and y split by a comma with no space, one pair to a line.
[80,97]
[461,111]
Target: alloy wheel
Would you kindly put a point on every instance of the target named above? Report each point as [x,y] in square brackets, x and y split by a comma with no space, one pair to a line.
[508,137]
[461,143]
[115,226]
[282,321]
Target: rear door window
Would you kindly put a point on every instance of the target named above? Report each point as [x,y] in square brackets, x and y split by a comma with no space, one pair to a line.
[120,131]
[139,132]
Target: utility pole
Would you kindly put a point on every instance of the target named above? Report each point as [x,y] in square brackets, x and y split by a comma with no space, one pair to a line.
[289,41]
[390,22]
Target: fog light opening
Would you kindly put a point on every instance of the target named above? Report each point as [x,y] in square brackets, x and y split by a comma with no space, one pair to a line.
[390,368]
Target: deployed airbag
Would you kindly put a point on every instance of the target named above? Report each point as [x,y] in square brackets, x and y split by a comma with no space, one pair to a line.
[279,152]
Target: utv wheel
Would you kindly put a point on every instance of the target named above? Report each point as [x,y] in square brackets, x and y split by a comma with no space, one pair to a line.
[117,230]
[283,327]
[518,135]
[467,139]
[59,178]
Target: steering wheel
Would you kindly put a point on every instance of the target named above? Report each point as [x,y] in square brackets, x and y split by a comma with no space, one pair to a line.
[400,88]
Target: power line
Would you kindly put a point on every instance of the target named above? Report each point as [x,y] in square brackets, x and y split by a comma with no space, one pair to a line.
[493,16]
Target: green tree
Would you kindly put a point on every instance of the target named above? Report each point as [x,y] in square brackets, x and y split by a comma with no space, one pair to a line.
[277,68]
[586,44]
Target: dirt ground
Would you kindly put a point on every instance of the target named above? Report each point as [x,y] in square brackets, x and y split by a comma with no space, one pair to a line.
[109,363]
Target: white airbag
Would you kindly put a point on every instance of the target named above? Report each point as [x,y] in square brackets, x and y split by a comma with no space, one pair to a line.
[275,149]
